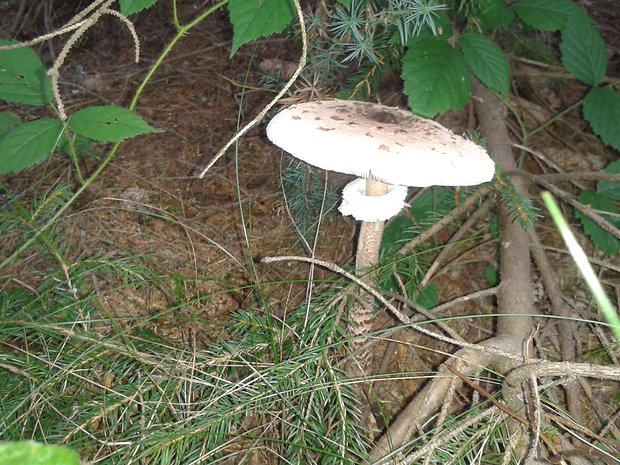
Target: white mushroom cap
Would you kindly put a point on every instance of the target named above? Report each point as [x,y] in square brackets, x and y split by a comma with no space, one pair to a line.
[388,144]
[364,207]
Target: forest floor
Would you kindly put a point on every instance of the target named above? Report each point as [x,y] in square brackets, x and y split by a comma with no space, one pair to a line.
[149,205]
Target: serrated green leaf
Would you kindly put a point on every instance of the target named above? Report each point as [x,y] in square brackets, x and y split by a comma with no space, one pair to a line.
[428,297]
[601,108]
[32,453]
[8,121]
[608,188]
[487,61]
[396,234]
[491,275]
[81,145]
[583,50]
[432,205]
[436,77]
[603,240]
[23,77]
[253,19]
[494,14]
[547,15]
[129,7]
[28,144]
[108,123]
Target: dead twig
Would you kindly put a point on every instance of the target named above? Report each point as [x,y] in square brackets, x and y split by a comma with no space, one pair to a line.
[488,348]
[561,177]
[269,106]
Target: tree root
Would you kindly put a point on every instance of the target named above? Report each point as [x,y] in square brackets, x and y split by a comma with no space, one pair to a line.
[514,300]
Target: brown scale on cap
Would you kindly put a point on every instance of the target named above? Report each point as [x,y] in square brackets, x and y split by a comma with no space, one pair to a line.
[333,135]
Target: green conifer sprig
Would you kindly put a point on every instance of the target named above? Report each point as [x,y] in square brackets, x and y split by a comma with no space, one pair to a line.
[307,198]
[522,209]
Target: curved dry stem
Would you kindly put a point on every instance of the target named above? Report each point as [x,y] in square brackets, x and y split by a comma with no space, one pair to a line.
[73,24]
[269,106]
[54,71]
[131,28]
[481,347]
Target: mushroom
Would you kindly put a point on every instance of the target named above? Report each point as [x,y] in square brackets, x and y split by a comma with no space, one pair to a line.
[388,149]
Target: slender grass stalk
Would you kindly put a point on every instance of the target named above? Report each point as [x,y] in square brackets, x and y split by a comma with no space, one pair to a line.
[582,262]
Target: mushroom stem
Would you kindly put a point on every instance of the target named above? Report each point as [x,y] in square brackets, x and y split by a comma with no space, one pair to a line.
[369,240]
[361,315]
